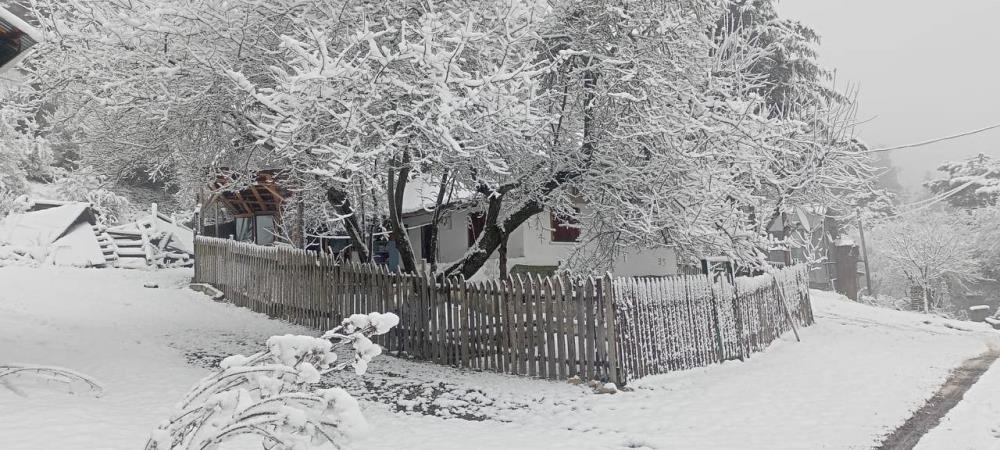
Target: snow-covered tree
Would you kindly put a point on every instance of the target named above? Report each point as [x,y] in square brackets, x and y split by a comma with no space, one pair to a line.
[927,252]
[23,155]
[268,395]
[791,79]
[628,117]
[138,89]
[440,88]
[971,183]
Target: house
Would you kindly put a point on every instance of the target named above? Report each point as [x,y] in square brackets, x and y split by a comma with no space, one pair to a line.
[541,245]
[804,236]
[16,37]
[252,213]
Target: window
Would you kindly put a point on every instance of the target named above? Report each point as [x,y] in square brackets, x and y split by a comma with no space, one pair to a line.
[264,230]
[565,229]
[244,229]
[477,222]
[425,241]
[256,229]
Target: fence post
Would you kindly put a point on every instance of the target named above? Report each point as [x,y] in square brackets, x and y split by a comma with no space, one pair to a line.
[715,318]
[615,375]
[197,266]
[780,296]
[738,319]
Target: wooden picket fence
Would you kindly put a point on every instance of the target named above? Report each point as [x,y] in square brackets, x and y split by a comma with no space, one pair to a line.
[691,321]
[612,329]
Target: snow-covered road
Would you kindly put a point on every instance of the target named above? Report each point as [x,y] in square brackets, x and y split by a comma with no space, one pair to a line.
[974,423]
[857,375]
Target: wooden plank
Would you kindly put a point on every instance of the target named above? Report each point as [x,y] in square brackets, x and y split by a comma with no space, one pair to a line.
[449,289]
[439,323]
[568,328]
[580,328]
[483,336]
[489,336]
[480,335]
[463,320]
[425,318]
[474,356]
[495,334]
[660,330]
[503,326]
[642,311]
[521,328]
[551,356]
[601,328]
[529,327]
[589,329]
[611,331]
[559,328]
[496,360]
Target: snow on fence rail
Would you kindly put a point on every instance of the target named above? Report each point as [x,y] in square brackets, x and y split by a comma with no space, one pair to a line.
[547,327]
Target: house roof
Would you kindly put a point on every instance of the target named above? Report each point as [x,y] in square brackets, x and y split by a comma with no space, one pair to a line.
[264,194]
[421,195]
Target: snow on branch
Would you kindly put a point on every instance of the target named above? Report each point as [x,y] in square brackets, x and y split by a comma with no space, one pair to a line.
[48,374]
[268,395]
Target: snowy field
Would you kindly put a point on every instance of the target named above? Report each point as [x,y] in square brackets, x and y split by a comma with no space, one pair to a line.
[857,375]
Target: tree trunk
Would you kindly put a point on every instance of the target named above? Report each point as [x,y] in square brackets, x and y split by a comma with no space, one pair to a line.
[491,237]
[502,254]
[435,220]
[396,188]
[342,205]
[300,227]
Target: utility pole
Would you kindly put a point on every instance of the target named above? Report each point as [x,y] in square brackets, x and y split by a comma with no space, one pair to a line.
[864,253]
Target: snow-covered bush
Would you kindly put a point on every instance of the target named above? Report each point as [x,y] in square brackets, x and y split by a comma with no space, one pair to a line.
[84,185]
[269,394]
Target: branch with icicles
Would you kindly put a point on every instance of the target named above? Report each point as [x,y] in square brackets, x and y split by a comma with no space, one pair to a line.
[269,395]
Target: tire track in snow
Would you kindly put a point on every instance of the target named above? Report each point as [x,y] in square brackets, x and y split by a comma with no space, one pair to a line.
[948,395]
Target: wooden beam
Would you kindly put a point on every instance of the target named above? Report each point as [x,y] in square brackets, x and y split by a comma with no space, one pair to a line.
[256,194]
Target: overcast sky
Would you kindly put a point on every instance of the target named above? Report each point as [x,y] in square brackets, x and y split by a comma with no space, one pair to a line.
[926,69]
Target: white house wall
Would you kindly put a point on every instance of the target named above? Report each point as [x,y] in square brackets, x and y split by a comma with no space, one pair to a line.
[531,244]
[541,250]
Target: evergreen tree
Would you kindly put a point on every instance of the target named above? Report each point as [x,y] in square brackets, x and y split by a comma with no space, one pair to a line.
[980,176]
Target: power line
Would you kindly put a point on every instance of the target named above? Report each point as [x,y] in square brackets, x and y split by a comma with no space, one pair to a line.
[917,206]
[934,141]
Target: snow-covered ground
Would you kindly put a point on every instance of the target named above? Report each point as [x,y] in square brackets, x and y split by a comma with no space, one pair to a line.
[855,376]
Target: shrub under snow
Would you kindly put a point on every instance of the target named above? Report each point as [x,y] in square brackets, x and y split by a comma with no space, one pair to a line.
[269,394]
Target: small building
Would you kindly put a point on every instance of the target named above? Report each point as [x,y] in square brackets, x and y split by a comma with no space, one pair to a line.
[251,213]
[805,237]
[67,233]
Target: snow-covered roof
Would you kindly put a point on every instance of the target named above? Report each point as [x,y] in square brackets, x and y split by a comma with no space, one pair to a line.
[844,241]
[41,228]
[421,194]
[77,248]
